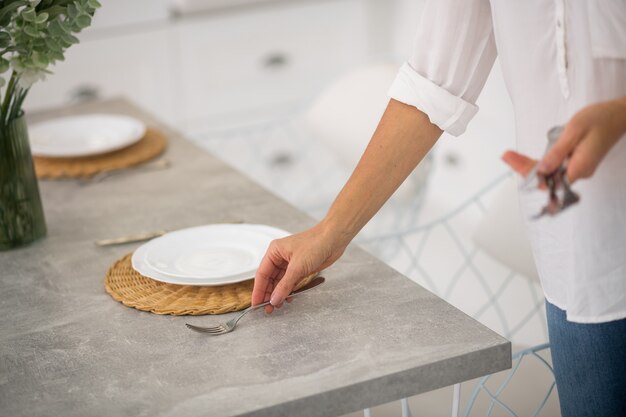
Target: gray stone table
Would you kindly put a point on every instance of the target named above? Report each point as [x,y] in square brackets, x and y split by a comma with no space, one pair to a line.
[366,337]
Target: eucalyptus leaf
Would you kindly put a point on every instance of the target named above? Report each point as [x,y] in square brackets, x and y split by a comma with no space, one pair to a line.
[5,20]
[54,11]
[4,65]
[56,28]
[74,27]
[31,31]
[40,61]
[68,38]
[5,39]
[72,11]
[57,56]
[80,7]
[94,4]
[39,44]
[53,45]
[83,21]
[28,15]
[41,18]
[64,44]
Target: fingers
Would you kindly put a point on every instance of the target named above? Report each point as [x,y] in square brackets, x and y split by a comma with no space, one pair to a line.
[266,296]
[269,272]
[585,158]
[518,162]
[262,279]
[270,289]
[285,286]
[561,149]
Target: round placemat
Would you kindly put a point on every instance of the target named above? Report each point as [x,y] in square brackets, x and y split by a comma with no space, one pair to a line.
[148,147]
[131,288]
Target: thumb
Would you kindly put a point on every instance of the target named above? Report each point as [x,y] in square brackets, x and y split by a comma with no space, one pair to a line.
[293,274]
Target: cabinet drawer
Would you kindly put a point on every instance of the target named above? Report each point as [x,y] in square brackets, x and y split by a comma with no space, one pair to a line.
[267,55]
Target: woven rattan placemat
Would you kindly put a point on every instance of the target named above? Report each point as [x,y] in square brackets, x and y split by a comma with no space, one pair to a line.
[131,288]
[149,147]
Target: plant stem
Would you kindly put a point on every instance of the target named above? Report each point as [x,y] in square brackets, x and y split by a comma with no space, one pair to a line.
[17,103]
[7,98]
[10,106]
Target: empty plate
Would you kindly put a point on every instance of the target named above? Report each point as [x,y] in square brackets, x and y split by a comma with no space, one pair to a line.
[86,135]
[206,255]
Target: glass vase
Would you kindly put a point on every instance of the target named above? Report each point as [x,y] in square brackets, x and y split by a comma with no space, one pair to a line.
[21,214]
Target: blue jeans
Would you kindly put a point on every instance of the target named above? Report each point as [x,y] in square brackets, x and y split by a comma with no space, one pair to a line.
[589,364]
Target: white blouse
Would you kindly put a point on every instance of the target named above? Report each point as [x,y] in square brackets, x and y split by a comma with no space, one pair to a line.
[557,56]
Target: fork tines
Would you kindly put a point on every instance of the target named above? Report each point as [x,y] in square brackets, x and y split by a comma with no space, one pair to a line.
[210,330]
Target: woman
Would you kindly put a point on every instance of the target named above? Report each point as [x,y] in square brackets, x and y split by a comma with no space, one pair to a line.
[564,62]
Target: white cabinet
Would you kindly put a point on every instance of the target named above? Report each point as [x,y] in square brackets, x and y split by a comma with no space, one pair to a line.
[137,66]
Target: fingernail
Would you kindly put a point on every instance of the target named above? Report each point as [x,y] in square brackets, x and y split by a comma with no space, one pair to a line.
[275,300]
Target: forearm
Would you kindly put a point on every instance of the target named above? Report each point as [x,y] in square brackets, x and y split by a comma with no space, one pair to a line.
[403,137]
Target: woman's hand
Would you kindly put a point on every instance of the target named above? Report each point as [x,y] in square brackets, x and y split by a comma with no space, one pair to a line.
[289,260]
[586,140]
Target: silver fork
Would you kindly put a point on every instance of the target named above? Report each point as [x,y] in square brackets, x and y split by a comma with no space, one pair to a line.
[569,196]
[230,325]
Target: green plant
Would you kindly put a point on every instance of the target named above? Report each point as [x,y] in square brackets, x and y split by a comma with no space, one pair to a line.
[34,34]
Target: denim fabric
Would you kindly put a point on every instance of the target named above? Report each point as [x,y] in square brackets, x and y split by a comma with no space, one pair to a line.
[590,365]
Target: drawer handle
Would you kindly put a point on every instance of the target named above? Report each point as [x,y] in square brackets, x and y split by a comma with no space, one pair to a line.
[85,92]
[275,61]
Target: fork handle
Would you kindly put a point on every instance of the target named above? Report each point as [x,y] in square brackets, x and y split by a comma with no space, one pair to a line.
[314,283]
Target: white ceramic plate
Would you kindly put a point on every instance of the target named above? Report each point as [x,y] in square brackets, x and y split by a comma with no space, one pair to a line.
[206,255]
[84,135]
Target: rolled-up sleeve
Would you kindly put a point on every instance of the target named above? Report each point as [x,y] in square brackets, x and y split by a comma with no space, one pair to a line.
[452,57]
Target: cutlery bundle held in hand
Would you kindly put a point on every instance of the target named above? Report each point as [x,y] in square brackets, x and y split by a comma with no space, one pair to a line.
[560,194]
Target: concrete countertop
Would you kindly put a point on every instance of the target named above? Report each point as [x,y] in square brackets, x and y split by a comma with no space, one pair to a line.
[366,337]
